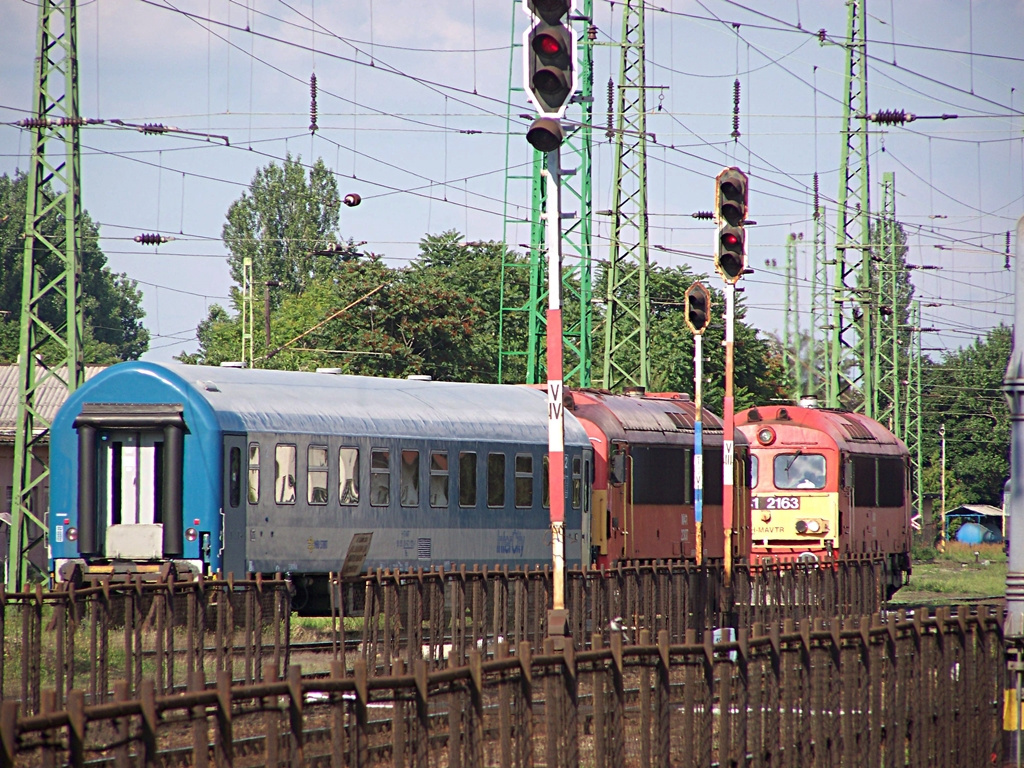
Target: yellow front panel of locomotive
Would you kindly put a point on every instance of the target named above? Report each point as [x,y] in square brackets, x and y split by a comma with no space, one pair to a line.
[796,515]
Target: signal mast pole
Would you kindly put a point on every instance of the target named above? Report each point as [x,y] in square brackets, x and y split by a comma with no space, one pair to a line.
[550,72]
[698,315]
[730,263]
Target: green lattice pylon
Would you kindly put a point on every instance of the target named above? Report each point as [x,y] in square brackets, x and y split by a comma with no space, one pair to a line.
[912,406]
[50,344]
[627,303]
[890,358]
[524,361]
[851,358]
[818,354]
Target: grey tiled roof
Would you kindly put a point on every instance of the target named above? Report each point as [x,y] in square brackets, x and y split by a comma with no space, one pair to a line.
[49,396]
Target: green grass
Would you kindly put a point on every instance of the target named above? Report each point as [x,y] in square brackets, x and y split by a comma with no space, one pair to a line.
[962,572]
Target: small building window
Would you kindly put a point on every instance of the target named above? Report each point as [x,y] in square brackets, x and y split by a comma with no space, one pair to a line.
[439,479]
[234,477]
[380,477]
[316,474]
[284,474]
[495,479]
[254,472]
[524,480]
[467,479]
[348,476]
[410,478]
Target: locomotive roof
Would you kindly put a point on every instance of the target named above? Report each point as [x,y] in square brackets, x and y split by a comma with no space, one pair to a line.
[316,403]
[847,429]
[647,418]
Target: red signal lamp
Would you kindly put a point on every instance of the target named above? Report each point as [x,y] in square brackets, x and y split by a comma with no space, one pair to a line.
[730,239]
[547,45]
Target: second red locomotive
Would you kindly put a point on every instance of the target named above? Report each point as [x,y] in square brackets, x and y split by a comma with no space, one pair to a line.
[827,482]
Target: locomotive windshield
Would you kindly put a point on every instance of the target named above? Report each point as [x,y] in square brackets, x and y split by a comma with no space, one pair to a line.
[799,470]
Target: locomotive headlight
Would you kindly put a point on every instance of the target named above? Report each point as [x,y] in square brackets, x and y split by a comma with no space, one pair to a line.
[191,534]
[72,534]
[812,526]
[766,436]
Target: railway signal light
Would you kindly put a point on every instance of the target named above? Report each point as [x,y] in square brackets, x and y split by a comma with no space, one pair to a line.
[731,214]
[545,134]
[698,308]
[550,58]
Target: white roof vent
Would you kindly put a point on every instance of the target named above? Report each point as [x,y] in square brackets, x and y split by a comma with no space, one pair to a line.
[809,401]
[232,364]
[419,377]
[331,371]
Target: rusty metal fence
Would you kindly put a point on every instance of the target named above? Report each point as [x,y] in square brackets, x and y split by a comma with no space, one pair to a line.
[876,690]
[157,632]
[164,630]
[436,615]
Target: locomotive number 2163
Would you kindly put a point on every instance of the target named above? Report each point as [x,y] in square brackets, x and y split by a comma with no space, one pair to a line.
[775,502]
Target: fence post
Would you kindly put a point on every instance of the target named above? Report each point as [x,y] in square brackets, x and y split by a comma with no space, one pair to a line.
[8,733]
[271,719]
[225,738]
[200,727]
[295,713]
[149,722]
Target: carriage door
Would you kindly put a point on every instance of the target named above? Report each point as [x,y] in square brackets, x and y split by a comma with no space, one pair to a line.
[233,505]
[131,471]
[587,553]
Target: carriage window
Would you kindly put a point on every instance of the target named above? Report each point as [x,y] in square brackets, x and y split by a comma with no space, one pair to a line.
[524,480]
[467,479]
[380,477]
[545,472]
[577,482]
[284,474]
[235,479]
[799,470]
[495,479]
[316,474]
[753,471]
[438,478]
[254,472]
[348,476]
[410,478]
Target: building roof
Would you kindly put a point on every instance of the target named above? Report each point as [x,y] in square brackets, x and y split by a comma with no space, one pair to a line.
[50,396]
[985,510]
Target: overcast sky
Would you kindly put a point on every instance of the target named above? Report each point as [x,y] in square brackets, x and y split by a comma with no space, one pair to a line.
[412,116]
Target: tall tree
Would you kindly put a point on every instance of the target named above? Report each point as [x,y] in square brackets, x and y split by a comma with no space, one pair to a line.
[964,392]
[287,223]
[474,270]
[111,303]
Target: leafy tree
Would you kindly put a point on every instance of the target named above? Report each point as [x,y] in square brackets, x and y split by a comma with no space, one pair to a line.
[367,319]
[757,370]
[474,270]
[964,392]
[111,303]
[287,223]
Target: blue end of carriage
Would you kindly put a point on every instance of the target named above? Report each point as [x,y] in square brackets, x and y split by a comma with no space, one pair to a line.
[135,473]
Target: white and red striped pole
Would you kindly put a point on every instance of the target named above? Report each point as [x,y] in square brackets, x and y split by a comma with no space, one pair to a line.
[556,414]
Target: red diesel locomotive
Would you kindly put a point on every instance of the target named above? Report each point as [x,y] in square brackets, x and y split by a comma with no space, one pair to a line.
[643,490]
[827,482]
